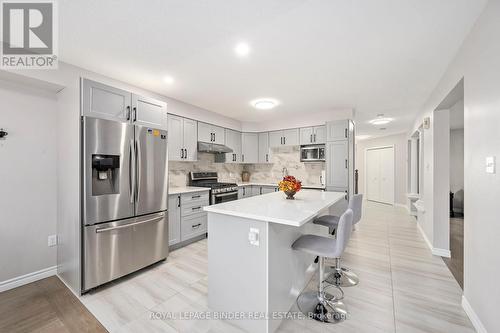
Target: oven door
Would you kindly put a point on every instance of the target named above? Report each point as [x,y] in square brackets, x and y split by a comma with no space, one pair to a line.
[223,197]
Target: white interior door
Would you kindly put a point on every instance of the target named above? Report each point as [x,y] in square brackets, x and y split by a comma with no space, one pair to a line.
[372,175]
[387,175]
[380,175]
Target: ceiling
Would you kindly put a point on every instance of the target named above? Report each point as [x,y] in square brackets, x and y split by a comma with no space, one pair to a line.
[383,56]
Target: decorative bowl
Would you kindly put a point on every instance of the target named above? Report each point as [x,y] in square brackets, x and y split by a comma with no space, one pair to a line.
[290,194]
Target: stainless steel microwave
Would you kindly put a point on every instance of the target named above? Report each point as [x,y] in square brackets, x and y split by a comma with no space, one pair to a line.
[314,153]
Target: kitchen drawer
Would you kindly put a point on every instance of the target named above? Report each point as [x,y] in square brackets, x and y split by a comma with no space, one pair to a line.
[195,198]
[193,225]
[193,208]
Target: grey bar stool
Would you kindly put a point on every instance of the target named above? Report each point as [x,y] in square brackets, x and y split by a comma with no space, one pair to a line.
[319,304]
[342,276]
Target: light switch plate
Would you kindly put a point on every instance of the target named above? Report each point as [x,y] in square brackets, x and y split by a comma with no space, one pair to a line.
[490,164]
[253,236]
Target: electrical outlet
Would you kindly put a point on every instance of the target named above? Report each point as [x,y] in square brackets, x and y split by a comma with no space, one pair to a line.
[52,240]
[253,236]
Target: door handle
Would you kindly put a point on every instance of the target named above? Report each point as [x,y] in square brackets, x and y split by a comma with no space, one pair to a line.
[138,171]
[182,153]
[155,219]
[135,114]
[128,112]
[131,169]
[345,132]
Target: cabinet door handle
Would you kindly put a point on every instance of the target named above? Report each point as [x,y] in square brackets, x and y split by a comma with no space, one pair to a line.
[314,137]
[242,158]
[135,114]
[196,208]
[195,196]
[185,153]
[346,163]
[128,112]
[196,226]
[311,139]
[281,140]
[261,190]
[345,132]
[244,191]
[284,140]
[267,157]
[182,153]
[179,202]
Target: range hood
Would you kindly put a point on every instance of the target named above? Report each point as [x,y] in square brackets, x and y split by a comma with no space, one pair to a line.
[213,148]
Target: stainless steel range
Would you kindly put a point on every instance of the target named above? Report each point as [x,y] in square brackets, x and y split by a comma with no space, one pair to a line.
[219,192]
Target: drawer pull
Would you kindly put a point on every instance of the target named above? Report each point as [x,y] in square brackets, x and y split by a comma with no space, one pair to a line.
[196,196]
[196,226]
[196,208]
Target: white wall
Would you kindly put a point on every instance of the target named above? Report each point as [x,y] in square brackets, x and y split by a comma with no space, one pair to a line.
[400,143]
[28,172]
[478,62]
[457,167]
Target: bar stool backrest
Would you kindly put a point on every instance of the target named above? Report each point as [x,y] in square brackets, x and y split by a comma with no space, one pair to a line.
[356,204]
[344,231]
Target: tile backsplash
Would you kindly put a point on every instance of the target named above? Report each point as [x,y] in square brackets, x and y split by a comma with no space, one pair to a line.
[286,157]
[179,171]
[289,158]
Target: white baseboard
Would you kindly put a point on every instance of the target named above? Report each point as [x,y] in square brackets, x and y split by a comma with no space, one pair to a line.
[435,251]
[27,278]
[476,322]
[441,252]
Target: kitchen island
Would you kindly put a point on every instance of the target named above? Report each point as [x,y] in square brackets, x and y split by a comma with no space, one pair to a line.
[253,274]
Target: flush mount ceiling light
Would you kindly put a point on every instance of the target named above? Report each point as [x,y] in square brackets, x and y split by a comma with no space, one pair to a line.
[265,104]
[381,120]
[168,79]
[242,49]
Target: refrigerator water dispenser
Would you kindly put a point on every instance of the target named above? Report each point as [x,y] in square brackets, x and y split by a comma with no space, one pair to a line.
[105,178]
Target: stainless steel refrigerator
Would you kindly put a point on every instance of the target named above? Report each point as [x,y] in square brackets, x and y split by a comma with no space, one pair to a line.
[125,195]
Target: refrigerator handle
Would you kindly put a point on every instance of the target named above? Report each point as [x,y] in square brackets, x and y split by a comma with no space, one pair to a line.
[131,171]
[138,170]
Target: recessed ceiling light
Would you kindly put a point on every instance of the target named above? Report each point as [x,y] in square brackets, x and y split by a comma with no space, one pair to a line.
[168,79]
[242,49]
[264,104]
[381,120]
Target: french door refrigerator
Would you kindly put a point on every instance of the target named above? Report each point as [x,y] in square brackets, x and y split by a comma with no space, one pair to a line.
[125,195]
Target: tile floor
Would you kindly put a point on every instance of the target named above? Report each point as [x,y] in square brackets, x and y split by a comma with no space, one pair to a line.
[403,288]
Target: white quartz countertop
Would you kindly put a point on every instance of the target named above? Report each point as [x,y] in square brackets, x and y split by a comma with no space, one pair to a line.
[186,189]
[276,184]
[273,207]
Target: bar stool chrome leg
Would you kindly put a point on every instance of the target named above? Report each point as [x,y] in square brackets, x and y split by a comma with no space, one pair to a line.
[321,305]
[341,276]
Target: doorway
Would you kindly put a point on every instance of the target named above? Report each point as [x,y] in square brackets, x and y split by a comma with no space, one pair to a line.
[380,174]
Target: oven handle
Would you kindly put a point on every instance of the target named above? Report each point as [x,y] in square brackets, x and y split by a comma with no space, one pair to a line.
[218,195]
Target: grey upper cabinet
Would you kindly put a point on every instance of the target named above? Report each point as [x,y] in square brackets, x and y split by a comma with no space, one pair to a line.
[211,133]
[313,135]
[264,151]
[289,137]
[250,147]
[233,141]
[337,166]
[337,130]
[149,112]
[182,142]
[174,219]
[105,102]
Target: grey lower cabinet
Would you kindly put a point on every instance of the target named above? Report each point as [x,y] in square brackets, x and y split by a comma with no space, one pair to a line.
[186,218]
[244,191]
